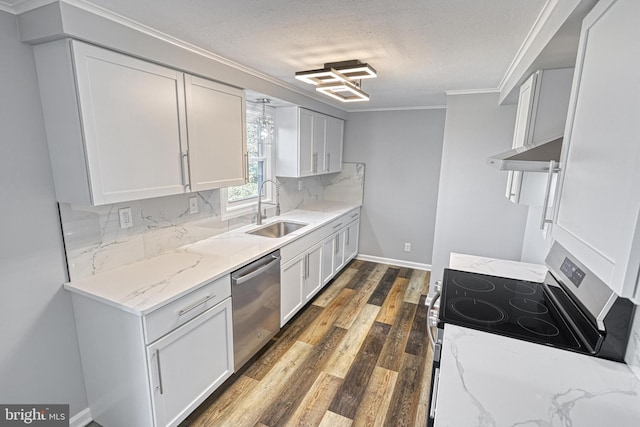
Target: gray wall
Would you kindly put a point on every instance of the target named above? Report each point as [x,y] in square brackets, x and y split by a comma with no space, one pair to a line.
[474,217]
[401,151]
[39,358]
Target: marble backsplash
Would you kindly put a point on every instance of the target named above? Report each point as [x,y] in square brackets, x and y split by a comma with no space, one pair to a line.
[94,241]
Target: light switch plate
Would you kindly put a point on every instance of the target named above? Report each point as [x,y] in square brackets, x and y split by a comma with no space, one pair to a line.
[126,218]
[193,205]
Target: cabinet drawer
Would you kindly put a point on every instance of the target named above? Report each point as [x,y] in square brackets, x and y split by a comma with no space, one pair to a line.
[169,317]
[341,222]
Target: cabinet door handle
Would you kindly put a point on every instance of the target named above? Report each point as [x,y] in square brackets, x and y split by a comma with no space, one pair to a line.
[348,233]
[328,168]
[160,387]
[246,167]
[337,226]
[306,266]
[186,171]
[354,215]
[545,205]
[315,163]
[336,250]
[196,305]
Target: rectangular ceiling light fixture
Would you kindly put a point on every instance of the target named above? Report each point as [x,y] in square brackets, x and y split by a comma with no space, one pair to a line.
[343,91]
[339,79]
[324,75]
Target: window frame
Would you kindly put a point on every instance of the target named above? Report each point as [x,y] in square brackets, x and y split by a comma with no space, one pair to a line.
[229,210]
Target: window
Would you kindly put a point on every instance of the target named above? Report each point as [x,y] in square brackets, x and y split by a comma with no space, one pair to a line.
[242,199]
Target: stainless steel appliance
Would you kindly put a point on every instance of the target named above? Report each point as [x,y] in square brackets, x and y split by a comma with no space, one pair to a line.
[255,296]
[572,310]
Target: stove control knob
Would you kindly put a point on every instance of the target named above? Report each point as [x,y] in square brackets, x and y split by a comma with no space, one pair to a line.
[437,286]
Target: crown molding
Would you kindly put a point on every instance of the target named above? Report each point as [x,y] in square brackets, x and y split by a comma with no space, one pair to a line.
[424,107]
[21,6]
[471,91]
[4,7]
[535,31]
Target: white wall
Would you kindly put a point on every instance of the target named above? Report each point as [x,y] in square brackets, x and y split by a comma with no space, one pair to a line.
[401,151]
[39,359]
[473,216]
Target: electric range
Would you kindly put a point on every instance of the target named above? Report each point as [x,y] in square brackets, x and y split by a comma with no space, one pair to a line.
[508,307]
[572,309]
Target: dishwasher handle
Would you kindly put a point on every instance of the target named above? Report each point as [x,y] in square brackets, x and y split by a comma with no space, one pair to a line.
[238,280]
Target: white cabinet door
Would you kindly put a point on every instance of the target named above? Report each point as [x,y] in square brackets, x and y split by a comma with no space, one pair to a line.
[524,117]
[133,125]
[351,241]
[319,142]
[313,275]
[338,250]
[306,159]
[541,117]
[292,275]
[216,132]
[334,144]
[189,363]
[327,259]
[598,212]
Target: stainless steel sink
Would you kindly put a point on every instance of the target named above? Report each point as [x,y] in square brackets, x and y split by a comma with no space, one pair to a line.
[277,229]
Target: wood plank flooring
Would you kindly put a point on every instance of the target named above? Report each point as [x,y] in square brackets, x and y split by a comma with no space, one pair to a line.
[357,355]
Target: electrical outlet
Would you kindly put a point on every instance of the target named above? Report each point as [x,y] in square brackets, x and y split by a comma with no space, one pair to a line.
[193,205]
[407,247]
[126,218]
[299,184]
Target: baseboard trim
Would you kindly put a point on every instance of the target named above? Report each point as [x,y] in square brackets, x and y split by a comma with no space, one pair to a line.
[396,262]
[81,419]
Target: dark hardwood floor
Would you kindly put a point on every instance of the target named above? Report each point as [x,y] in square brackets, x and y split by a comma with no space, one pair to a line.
[357,355]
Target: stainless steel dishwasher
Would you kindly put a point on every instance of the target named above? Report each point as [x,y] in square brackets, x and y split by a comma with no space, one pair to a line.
[255,296]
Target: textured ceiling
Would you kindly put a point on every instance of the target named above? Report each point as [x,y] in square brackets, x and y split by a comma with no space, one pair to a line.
[421,48]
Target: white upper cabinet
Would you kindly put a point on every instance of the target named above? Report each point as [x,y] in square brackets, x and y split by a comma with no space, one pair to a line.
[118,129]
[309,143]
[597,215]
[541,116]
[216,134]
[334,144]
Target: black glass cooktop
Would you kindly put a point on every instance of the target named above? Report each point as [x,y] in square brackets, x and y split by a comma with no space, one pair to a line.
[505,306]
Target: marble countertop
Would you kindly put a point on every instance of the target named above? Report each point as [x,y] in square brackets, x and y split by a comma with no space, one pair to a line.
[491,380]
[147,285]
[498,267]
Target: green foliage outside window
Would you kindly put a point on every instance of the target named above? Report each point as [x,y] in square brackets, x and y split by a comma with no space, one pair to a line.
[256,167]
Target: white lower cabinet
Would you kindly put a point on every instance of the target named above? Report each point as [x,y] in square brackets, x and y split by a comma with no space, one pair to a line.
[155,369]
[327,259]
[188,364]
[313,281]
[291,278]
[312,261]
[351,235]
[300,280]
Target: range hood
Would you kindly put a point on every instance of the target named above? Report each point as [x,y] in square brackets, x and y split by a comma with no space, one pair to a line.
[529,157]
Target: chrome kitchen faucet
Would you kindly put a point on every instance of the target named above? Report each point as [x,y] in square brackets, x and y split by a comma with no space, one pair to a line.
[259,215]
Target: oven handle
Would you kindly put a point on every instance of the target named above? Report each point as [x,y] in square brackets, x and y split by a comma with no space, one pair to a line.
[429,331]
[434,394]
